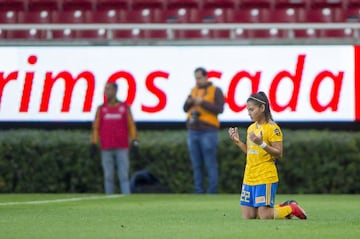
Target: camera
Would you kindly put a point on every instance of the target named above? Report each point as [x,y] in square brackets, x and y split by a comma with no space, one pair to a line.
[194,116]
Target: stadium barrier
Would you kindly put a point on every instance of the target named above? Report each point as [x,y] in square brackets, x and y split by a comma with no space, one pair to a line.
[234,28]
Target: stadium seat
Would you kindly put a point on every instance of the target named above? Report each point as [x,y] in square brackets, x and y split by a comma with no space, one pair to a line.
[67,17]
[352,14]
[251,15]
[325,15]
[39,17]
[327,4]
[213,4]
[13,5]
[31,34]
[147,15]
[108,16]
[182,15]
[7,17]
[336,33]
[213,15]
[98,34]
[76,16]
[287,15]
[136,34]
[83,5]
[256,4]
[304,4]
[306,33]
[112,4]
[141,4]
[353,4]
[35,17]
[177,4]
[49,5]
[152,15]
[192,34]
[272,33]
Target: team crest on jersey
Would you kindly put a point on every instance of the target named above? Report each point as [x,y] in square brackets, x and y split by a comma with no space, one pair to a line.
[277,132]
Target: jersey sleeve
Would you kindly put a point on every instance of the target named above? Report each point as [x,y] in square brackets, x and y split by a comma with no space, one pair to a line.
[275,134]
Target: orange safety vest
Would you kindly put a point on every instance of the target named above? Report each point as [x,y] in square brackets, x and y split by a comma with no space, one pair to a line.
[207,94]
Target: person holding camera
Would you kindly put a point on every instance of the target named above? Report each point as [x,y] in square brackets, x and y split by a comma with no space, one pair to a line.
[113,128]
[203,106]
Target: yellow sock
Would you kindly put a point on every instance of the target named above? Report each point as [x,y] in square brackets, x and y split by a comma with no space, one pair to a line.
[281,212]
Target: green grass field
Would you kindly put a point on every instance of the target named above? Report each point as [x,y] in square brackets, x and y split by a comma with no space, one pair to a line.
[174,216]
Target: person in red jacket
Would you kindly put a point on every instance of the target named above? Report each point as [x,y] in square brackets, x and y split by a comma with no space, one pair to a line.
[113,128]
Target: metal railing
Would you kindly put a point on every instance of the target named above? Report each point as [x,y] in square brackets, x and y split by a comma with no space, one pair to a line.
[352,29]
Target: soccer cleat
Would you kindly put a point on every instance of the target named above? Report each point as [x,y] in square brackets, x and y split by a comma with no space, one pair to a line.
[297,211]
[291,201]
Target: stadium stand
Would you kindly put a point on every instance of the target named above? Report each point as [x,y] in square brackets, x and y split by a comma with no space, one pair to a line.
[179,19]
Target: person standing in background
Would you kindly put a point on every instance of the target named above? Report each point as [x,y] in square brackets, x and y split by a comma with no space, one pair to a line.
[203,106]
[113,127]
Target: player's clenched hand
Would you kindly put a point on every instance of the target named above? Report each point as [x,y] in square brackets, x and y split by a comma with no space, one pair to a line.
[257,139]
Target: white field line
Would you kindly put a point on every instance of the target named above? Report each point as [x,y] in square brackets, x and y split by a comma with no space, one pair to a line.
[60,200]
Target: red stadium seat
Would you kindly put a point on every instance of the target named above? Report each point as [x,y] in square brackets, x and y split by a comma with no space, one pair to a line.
[251,15]
[35,17]
[352,14]
[353,3]
[148,15]
[14,5]
[256,4]
[213,15]
[109,16]
[192,34]
[151,15]
[304,4]
[112,4]
[83,5]
[337,33]
[182,15]
[210,4]
[325,15]
[67,17]
[39,17]
[260,34]
[98,34]
[7,17]
[306,33]
[49,5]
[327,4]
[141,4]
[184,4]
[287,15]
[136,34]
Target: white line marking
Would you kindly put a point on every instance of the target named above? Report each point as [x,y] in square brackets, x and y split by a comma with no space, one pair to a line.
[60,200]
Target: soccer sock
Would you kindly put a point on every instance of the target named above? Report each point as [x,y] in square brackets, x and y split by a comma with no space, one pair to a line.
[281,212]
